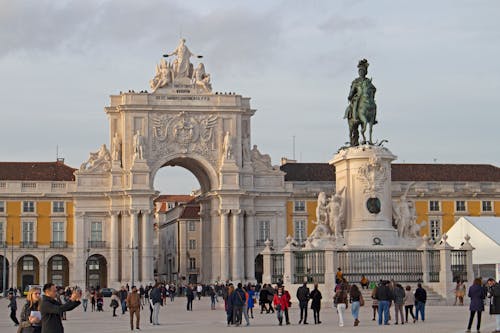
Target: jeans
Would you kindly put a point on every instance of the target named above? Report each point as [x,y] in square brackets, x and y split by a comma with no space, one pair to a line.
[398,308]
[355,309]
[237,312]
[340,310]
[85,303]
[383,309]
[420,307]
[316,315]
[497,317]
[471,319]
[189,305]
[13,316]
[409,308]
[303,311]
[124,306]
[245,314]
[156,312]
[279,314]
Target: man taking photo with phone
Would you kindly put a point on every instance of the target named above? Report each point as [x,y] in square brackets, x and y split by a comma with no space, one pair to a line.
[52,309]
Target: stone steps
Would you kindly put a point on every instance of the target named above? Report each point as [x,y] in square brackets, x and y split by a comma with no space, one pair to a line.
[433,298]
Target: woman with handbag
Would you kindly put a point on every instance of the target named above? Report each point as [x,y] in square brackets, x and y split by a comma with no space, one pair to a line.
[30,314]
[341,301]
[115,302]
[355,298]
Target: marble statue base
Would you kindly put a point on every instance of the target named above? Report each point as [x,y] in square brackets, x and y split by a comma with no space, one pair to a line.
[365,173]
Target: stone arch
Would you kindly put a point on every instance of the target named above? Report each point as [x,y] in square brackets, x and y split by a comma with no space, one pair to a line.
[7,270]
[96,271]
[202,169]
[28,271]
[58,270]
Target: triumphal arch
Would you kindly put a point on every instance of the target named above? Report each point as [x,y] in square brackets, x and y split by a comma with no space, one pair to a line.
[181,122]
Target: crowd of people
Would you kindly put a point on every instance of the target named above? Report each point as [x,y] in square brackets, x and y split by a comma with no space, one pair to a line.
[44,314]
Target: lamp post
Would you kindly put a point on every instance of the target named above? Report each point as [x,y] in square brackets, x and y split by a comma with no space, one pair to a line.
[12,260]
[87,270]
[4,270]
[133,248]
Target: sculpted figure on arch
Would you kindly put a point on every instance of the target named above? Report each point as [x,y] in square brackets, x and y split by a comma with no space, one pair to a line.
[362,110]
[336,213]
[182,65]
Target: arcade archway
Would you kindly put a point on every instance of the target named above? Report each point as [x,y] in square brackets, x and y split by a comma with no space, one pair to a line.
[96,272]
[7,270]
[58,270]
[28,271]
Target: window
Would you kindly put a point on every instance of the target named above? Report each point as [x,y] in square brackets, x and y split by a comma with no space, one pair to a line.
[58,231]
[2,206]
[58,207]
[435,229]
[93,264]
[57,279]
[2,233]
[434,206]
[57,263]
[486,206]
[192,263]
[28,231]
[299,206]
[96,231]
[460,206]
[28,206]
[264,230]
[299,229]
[28,263]
[192,226]
[170,205]
[192,244]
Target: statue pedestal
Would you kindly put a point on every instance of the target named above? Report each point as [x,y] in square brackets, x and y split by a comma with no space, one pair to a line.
[229,175]
[365,172]
[139,175]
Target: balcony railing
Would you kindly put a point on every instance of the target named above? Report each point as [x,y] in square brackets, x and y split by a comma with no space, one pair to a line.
[28,245]
[195,270]
[262,242]
[59,244]
[97,244]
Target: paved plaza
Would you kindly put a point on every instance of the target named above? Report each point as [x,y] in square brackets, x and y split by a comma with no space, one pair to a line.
[174,318]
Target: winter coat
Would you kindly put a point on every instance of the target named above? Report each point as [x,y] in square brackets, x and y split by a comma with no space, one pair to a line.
[51,311]
[494,295]
[420,295]
[316,299]
[251,298]
[303,294]
[282,301]
[384,293]
[238,297]
[409,298]
[399,295]
[477,295]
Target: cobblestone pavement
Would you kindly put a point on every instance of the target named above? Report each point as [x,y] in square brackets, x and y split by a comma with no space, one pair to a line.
[174,318]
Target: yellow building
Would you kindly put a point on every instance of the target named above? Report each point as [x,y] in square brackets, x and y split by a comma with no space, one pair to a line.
[442,193]
[36,222]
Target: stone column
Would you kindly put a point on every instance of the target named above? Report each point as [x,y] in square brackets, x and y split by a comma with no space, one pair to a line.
[134,239]
[331,264]
[288,262]
[237,246]
[250,246]
[113,264]
[79,262]
[183,249]
[425,255]
[224,245]
[147,250]
[267,267]
[445,274]
[470,268]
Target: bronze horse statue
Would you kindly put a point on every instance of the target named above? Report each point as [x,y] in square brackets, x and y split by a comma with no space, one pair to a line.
[362,110]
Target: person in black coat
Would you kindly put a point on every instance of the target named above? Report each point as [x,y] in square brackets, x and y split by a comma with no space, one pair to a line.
[494,296]
[316,297]
[190,297]
[51,309]
[303,297]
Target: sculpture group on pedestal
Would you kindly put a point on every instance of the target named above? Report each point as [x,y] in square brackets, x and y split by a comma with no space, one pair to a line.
[404,215]
[98,161]
[181,70]
[330,216]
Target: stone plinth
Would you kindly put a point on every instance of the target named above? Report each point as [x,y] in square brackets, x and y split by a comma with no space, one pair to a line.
[365,172]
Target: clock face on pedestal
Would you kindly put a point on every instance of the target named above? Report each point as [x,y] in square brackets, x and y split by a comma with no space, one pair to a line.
[373,205]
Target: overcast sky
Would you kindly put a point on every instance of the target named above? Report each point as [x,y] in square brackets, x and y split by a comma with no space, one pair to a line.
[436,66]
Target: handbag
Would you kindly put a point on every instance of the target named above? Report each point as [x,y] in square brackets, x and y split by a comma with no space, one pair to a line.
[361,300]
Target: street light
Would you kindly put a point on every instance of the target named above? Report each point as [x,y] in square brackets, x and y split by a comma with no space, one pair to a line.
[4,270]
[12,260]
[133,263]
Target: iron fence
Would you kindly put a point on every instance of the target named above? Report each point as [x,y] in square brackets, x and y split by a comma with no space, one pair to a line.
[459,265]
[277,267]
[309,266]
[375,265]
[434,263]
